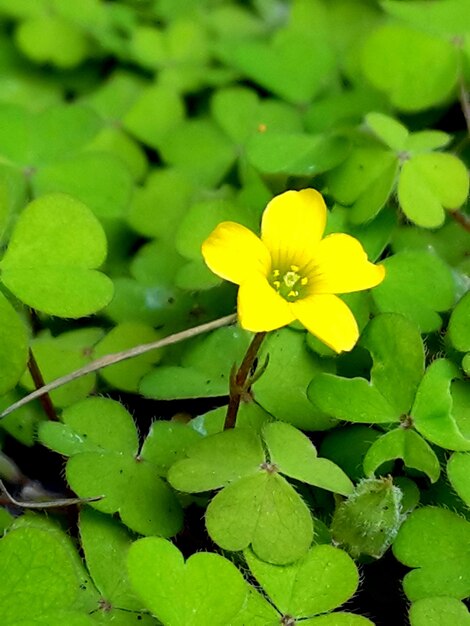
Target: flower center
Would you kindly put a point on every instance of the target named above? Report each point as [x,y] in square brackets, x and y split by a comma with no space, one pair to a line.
[290,284]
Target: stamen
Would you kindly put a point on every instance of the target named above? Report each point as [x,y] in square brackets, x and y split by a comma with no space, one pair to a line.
[304,281]
[276,273]
[294,268]
[292,294]
[277,284]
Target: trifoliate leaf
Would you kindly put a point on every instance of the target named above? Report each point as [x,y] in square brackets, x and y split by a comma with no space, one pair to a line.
[262,511]
[406,445]
[408,288]
[416,82]
[432,411]
[430,183]
[52,255]
[320,581]
[207,589]
[101,438]
[445,569]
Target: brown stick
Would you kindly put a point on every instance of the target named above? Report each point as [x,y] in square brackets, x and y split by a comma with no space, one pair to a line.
[461,219]
[238,382]
[117,357]
[38,381]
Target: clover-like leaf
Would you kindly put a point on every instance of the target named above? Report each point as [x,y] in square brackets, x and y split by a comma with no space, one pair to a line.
[443,570]
[282,389]
[439,611]
[364,181]
[408,288]
[262,511]
[430,183]
[38,560]
[416,83]
[295,456]
[207,589]
[100,437]
[403,444]
[52,255]
[433,412]
[398,361]
[320,581]
[106,544]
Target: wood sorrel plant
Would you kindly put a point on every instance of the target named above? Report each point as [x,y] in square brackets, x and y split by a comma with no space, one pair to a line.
[313,454]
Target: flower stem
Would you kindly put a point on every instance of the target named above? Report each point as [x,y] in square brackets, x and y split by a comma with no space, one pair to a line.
[238,382]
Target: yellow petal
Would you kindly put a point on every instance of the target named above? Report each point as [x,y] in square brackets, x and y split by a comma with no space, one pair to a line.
[328,318]
[260,308]
[235,253]
[293,224]
[340,266]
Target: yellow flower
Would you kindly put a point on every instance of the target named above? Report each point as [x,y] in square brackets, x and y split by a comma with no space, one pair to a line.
[291,273]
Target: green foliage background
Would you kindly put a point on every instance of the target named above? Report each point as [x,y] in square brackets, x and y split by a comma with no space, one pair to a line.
[128,131]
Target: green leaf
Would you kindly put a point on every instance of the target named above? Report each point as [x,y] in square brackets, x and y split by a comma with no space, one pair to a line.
[397,353]
[295,456]
[207,589]
[38,561]
[167,443]
[218,460]
[438,611]
[406,445]
[157,208]
[215,153]
[99,179]
[320,581]
[364,181]
[50,39]
[459,328]
[256,611]
[262,511]
[157,111]
[127,374]
[426,140]
[448,17]
[279,65]
[13,346]
[106,544]
[101,438]
[432,411]
[392,133]
[368,521]
[58,356]
[282,389]
[398,361]
[443,570]
[412,82]
[458,474]
[52,255]
[430,183]
[408,288]
[351,399]
[295,154]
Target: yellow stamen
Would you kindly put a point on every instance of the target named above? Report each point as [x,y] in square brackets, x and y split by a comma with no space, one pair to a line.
[294,268]
[276,273]
[292,294]
[304,280]
[276,284]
